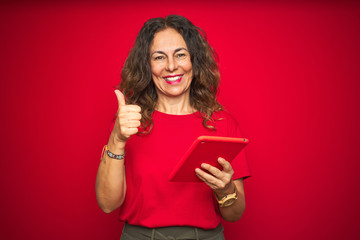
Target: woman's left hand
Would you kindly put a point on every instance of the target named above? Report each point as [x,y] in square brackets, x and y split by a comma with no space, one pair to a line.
[220,181]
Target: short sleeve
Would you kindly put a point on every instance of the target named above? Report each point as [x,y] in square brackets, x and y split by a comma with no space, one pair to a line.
[239,164]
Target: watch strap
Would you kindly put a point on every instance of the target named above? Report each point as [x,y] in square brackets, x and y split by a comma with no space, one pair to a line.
[230,198]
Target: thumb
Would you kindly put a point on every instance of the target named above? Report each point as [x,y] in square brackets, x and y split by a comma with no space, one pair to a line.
[120,97]
[225,164]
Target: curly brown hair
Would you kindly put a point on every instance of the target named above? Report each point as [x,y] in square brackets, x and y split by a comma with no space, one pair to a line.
[136,78]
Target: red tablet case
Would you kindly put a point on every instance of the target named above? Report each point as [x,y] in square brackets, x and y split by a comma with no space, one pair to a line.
[206,149]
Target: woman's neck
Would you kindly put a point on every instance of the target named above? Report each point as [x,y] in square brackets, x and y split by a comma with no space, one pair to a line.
[175,105]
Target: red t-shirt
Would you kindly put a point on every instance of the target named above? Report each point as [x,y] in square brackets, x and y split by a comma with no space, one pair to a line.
[151,200]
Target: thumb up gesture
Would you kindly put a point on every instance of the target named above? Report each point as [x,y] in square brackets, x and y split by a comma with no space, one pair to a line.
[128,119]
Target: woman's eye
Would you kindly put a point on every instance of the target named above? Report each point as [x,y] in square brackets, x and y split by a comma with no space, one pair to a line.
[180,55]
[159,58]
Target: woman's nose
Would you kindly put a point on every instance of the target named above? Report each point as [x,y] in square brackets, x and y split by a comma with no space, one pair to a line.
[171,64]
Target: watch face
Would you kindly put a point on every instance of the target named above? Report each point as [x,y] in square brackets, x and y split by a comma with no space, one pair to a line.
[228,202]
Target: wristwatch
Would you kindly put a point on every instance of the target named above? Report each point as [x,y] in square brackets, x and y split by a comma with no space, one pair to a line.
[228,200]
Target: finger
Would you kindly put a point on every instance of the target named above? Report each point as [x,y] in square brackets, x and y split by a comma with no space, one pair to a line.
[129,116]
[213,170]
[131,108]
[132,131]
[217,177]
[217,183]
[201,174]
[127,132]
[120,97]
[226,165]
[133,124]
[198,172]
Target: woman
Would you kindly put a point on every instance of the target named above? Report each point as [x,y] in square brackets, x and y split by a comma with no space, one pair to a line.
[168,99]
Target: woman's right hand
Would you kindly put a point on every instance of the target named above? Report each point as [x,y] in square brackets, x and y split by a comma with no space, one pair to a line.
[110,183]
[127,120]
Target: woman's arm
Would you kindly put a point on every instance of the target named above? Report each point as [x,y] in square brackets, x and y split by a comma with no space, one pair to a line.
[222,184]
[235,211]
[110,183]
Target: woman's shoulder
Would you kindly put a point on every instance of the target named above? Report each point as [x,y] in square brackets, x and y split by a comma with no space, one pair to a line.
[224,115]
[225,121]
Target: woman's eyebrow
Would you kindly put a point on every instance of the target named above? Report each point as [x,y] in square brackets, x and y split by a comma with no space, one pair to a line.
[176,50]
[160,52]
[179,49]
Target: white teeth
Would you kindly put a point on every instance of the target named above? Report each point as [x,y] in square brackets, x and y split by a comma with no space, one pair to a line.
[173,79]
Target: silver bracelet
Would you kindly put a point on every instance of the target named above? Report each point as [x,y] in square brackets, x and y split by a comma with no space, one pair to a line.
[114,156]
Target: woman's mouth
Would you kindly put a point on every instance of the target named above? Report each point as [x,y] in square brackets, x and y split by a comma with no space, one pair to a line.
[173,79]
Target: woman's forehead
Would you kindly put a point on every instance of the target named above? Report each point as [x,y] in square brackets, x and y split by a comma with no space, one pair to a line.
[167,40]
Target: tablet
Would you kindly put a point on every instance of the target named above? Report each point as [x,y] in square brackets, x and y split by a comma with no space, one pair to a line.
[206,149]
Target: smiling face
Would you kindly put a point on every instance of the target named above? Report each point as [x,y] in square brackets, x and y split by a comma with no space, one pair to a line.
[170,63]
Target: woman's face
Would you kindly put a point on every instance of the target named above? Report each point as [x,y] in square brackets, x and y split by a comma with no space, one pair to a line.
[170,64]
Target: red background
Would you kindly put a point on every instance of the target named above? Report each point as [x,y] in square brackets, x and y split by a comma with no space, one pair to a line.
[290,75]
